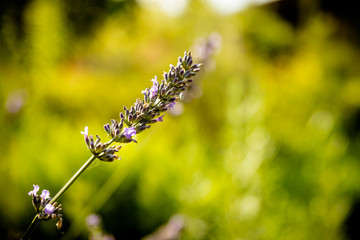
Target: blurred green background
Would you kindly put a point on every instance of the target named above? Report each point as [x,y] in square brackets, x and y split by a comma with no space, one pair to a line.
[267,148]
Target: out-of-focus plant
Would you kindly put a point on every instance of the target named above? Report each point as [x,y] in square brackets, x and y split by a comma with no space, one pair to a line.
[169,231]
[204,48]
[94,225]
[159,98]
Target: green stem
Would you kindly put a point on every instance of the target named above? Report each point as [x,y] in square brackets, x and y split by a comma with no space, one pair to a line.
[76,175]
[31,228]
[36,220]
[73,179]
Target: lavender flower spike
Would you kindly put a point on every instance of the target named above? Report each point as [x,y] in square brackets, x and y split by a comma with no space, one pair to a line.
[160,97]
[129,132]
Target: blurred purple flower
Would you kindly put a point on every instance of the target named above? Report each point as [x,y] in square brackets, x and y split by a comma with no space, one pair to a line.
[159,119]
[45,194]
[171,105]
[129,132]
[155,81]
[49,209]
[154,87]
[109,237]
[33,192]
[85,132]
[153,90]
[93,220]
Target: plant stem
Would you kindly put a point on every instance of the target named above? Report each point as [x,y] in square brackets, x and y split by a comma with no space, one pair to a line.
[76,175]
[31,228]
[36,220]
[73,179]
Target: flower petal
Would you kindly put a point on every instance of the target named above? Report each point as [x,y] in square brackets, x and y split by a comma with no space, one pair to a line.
[33,192]
[129,132]
[49,209]
[45,194]
[86,131]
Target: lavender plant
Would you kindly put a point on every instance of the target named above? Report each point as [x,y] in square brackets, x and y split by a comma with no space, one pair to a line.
[160,97]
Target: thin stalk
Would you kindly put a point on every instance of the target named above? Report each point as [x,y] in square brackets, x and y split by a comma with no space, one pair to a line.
[36,219]
[31,228]
[73,179]
[76,175]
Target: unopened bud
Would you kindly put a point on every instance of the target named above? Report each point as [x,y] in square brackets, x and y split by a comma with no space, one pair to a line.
[107,128]
[121,124]
[59,223]
[182,71]
[189,62]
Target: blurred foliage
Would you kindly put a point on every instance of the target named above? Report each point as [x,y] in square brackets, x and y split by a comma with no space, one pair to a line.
[269,151]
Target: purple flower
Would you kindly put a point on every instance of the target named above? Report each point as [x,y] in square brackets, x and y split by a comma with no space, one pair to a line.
[129,132]
[85,132]
[155,82]
[159,119]
[171,105]
[154,88]
[33,192]
[93,220]
[49,209]
[45,194]
[86,137]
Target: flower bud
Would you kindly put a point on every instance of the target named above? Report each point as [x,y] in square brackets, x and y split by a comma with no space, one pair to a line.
[182,71]
[91,145]
[97,141]
[117,132]
[130,118]
[87,140]
[162,92]
[187,74]
[107,128]
[59,223]
[121,124]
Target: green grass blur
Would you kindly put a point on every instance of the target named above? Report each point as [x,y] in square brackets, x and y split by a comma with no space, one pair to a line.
[268,151]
